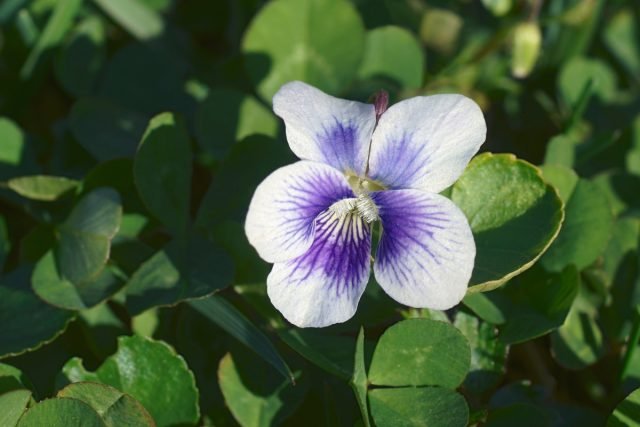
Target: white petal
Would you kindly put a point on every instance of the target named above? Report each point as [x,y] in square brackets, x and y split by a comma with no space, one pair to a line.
[323,286]
[280,221]
[426,142]
[426,251]
[326,129]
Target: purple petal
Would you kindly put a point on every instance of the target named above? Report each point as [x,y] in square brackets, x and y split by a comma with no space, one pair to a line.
[323,286]
[426,251]
[282,213]
[426,142]
[325,129]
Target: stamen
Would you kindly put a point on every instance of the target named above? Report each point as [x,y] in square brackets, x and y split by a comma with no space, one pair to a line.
[367,208]
[343,207]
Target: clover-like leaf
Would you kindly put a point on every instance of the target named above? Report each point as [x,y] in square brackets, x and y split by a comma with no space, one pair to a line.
[420,352]
[413,407]
[184,269]
[514,215]
[27,321]
[114,407]
[12,405]
[288,40]
[152,373]
[58,413]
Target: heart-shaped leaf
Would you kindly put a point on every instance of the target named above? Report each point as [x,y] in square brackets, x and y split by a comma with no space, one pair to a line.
[513,213]
[152,373]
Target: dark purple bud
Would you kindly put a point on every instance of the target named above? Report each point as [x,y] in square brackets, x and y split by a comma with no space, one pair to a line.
[381,102]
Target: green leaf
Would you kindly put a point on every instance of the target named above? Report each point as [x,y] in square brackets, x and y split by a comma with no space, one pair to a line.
[12,378]
[152,373]
[227,116]
[255,394]
[488,354]
[82,57]
[621,38]
[409,407]
[42,187]
[59,412]
[114,407]
[586,229]
[28,322]
[12,406]
[184,269]
[147,79]
[420,352]
[513,213]
[393,53]
[535,303]
[84,239]
[627,412]
[498,7]
[227,317]
[334,354]
[105,130]
[561,151]
[288,40]
[134,16]
[248,163]
[16,157]
[162,171]
[57,26]
[359,382]
[484,308]
[620,189]
[579,342]
[5,242]
[562,177]
[50,285]
[577,73]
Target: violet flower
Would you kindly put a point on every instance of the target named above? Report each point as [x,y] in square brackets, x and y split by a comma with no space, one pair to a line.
[362,165]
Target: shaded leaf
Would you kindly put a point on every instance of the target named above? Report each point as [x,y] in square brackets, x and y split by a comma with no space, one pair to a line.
[513,213]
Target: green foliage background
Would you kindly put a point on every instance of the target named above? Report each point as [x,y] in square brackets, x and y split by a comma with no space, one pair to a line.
[132,136]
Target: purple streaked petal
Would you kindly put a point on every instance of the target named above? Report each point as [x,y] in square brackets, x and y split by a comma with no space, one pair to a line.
[325,129]
[280,221]
[425,142]
[323,286]
[426,251]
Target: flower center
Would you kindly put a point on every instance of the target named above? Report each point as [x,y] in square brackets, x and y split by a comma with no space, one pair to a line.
[362,205]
